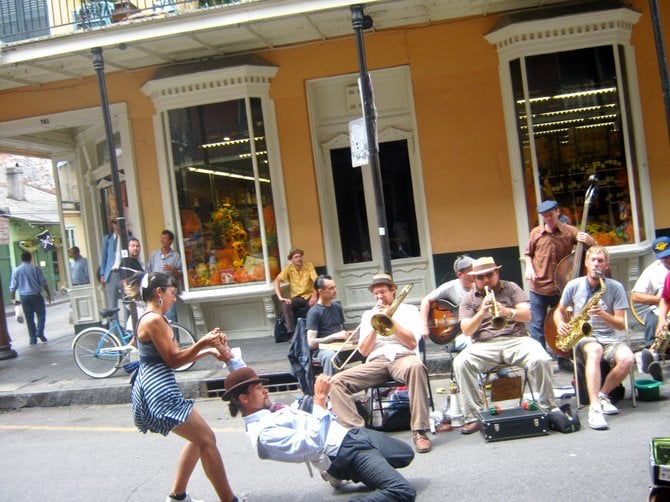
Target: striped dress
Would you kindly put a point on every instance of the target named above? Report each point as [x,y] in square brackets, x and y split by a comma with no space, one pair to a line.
[158,404]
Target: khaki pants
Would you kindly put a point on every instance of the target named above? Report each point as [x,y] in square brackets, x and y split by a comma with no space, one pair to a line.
[407,369]
[513,350]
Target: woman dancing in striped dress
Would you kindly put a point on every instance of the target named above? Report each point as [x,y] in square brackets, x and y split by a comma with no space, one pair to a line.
[158,404]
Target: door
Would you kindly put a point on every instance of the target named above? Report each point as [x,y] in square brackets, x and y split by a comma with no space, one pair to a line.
[346,194]
[68,175]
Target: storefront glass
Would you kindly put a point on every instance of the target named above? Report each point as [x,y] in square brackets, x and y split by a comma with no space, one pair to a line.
[571,125]
[223,183]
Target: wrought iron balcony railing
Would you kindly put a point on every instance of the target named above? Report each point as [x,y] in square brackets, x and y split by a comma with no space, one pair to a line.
[22,20]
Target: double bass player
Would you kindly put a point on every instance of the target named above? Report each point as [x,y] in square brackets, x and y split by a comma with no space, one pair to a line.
[548,244]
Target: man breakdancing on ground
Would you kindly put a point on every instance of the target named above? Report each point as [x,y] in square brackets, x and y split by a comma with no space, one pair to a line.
[290,435]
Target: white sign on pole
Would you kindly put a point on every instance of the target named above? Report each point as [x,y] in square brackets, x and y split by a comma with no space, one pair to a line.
[359,143]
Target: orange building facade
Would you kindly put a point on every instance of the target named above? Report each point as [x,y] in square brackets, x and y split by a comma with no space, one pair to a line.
[478,119]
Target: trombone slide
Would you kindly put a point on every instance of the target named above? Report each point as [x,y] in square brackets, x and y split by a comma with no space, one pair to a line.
[347,345]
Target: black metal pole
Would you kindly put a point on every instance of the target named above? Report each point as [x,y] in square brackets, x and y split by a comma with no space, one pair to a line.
[6,351]
[662,58]
[99,66]
[361,22]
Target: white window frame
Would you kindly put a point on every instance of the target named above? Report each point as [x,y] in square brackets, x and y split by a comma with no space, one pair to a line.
[566,33]
[207,87]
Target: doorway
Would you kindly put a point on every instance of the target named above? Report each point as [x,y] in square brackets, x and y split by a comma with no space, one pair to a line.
[346,193]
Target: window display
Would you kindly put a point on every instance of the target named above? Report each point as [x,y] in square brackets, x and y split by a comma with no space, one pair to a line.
[571,126]
[224,191]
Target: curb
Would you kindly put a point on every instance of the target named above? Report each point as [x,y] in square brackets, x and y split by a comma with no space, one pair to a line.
[111,394]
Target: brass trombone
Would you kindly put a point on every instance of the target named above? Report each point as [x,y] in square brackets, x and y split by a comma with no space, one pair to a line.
[498,321]
[382,324]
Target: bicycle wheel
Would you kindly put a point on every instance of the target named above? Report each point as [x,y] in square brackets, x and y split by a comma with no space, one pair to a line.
[639,310]
[184,339]
[95,352]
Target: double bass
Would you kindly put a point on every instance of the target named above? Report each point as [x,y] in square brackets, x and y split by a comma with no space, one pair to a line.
[569,268]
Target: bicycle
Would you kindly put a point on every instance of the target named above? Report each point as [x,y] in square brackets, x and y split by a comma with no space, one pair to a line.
[100,352]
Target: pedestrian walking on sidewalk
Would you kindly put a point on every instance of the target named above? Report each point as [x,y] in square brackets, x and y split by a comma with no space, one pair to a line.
[29,281]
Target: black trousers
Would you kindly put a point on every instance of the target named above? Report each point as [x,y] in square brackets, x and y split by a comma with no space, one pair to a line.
[371,457]
[298,308]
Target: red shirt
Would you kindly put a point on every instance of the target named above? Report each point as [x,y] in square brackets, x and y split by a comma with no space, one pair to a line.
[666,289]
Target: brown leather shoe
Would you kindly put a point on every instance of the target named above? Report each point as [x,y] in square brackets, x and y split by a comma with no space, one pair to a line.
[444,426]
[421,442]
[471,427]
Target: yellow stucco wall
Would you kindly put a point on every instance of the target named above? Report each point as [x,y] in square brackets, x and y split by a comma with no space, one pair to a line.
[653,108]
[459,116]
[453,89]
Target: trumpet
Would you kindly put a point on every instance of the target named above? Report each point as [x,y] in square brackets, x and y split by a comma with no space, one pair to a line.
[498,321]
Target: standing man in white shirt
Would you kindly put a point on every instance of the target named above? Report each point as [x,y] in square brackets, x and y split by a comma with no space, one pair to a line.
[167,260]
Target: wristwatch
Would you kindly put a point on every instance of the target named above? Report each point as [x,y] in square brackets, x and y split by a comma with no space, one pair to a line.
[512,313]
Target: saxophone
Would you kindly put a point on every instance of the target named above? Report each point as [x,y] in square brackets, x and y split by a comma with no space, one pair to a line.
[579,325]
[661,340]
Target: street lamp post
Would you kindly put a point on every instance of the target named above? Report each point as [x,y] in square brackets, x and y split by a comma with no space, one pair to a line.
[99,66]
[662,58]
[360,22]
[6,351]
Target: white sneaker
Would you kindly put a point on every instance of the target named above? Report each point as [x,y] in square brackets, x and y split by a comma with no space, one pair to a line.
[186,499]
[597,419]
[606,405]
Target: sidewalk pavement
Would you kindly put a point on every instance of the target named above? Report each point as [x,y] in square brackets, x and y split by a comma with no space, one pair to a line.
[46,374]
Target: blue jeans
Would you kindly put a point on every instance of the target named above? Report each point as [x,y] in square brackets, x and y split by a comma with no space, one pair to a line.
[650,323]
[34,304]
[539,306]
[372,458]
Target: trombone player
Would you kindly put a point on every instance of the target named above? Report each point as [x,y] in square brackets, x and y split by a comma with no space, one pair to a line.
[390,344]
[493,314]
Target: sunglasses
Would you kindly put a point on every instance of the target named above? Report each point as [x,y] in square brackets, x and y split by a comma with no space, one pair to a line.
[484,276]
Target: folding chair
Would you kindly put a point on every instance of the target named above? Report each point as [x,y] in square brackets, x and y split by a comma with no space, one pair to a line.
[377,396]
[506,388]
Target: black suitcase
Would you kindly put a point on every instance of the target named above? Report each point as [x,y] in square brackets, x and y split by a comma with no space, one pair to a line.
[514,423]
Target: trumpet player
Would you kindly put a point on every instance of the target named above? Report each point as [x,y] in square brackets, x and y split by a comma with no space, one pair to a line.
[493,316]
[390,355]
[604,317]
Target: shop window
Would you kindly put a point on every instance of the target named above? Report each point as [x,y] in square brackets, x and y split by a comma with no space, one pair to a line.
[223,184]
[570,126]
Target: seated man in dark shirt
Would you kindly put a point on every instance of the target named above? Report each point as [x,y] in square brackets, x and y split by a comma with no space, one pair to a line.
[325,322]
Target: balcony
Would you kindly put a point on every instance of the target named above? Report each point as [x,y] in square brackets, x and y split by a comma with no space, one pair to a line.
[22,20]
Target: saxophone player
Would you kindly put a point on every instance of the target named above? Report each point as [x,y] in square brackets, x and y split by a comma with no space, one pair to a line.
[388,357]
[605,314]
